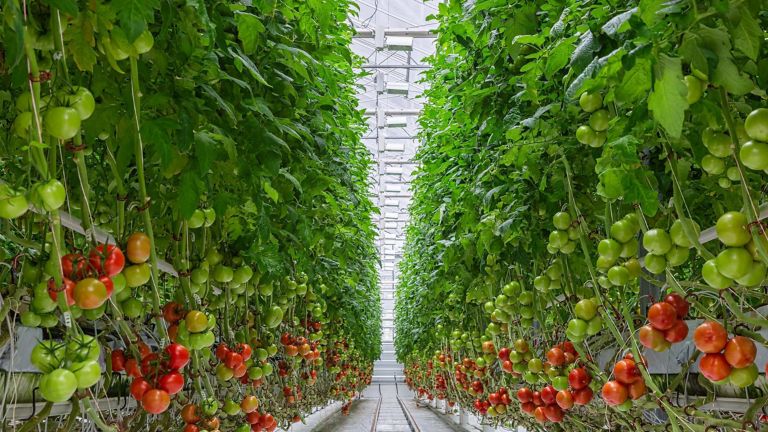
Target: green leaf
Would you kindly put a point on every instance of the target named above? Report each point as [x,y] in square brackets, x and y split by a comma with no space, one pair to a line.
[558,57]
[668,101]
[636,82]
[649,11]
[292,179]
[81,43]
[747,34]
[271,192]
[134,15]
[67,6]
[189,195]
[242,59]
[249,30]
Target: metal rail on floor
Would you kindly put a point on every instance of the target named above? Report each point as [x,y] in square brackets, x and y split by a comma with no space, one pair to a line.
[408,415]
[375,423]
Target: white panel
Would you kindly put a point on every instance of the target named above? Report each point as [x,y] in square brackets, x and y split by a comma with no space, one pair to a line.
[394,169]
[395,146]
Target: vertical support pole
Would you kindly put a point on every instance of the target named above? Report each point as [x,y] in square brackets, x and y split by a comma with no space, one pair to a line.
[463,419]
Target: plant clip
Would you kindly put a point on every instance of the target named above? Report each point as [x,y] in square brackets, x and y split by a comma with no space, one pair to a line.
[122,198]
[749,425]
[74,149]
[41,78]
[176,237]
[185,273]
[756,223]
[689,410]
[145,206]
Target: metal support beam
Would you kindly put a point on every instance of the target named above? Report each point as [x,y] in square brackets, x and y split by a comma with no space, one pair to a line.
[403,66]
[364,33]
[400,112]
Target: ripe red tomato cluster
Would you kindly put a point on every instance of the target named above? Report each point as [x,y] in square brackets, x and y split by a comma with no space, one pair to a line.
[627,385]
[87,282]
[543,405]
[295,346]
[233,360]
[562,354]
[666,323]
[725,358]
[156,376]
[499,400]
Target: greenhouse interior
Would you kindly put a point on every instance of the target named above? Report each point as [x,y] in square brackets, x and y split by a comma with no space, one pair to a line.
[384,215]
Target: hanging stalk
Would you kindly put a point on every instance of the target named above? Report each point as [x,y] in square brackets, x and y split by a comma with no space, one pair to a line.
[145,200]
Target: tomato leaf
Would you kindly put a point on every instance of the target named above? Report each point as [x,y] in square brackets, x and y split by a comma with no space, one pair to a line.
[249,30]
[67,6]
[667,101]
[636,82]
[134,15]
[746,33]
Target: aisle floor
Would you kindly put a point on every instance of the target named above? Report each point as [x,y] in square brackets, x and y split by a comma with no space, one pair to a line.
[391,416]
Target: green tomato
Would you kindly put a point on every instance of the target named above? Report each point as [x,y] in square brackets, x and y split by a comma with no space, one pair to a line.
[197,219]
[622,231]
[712,165]
[22,125]
[754,155]
[209,406]
[49,320]
[755,276]
[695,88]
[210,216]
[561,220]
[586,135]
[577,328]
[618,275]
[604,282]
[255,373]
[526,298]
[598,121]
[13,206]
[713,277]
[132,308]
[676,256]
[609,248]
[558,238]
[50,195]
[81,100]
[30,319]
[119,283]
[733,174]
[58,386]
[603,263]
[656,241]
[143,43]
[594,325]
[756,124]
[535,365]
[718,143]
[568,248]
[586,309]
[630,248]
[655,264]
[213,257]
[512,289]
[541,283]
[677,232]
[724,182]
[47,355]
[268,368]
[82,348]
[274,317]
[42,304]
[62,122]
[244,274]
[560,383]
[223,274]
[734,263]
[230,407]
[199,276]
[590,102]
[137,275]
[744,377]
[87,373]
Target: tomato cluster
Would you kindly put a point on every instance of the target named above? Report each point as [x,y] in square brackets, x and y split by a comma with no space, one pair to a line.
[666,323]
[67,366]
[725,359]
[627,384]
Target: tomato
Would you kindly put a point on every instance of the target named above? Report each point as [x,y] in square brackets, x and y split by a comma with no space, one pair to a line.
[178,356]
[732,230]
[539,414]
[191,428]
[626,371]
[274,317]
[197,219]
[561,220]
[754,155]
[524,395]
[83,347]
[622,231]
[718,143]
[222,351]
[231,408]
[756,124]
[81,100]
[210,216]
[744,377]
[173,312]
[677,333]
[560,382]
[139,386]
[586,135]
[22,125]
[554,413]
[196,321]
[171,382]
[579,378]
[249,404]
[680,304]
[734,263]
[223,373]
[713,277]
[189,413]
[548,395]
[714,367]
[233,359]
[137,275]
[662,315]
[132,308]
[47,355]
[87,373]
[117,360]
[710,337]
[564,399]
[58,385]
[655,264]
[598,121]
[223,274]
[618,275]
[107,260]
[155,401]
[755,276]
[556,357]
[695,88]
[609,248]
[209,406]
[582,396]
[132,368]
[50,195]
[590,102]
[62,122]
[90,293]
[614,393]
[740,352]
[657,242]
[143,43]
[653,339]
[712,165]
[138,248]
[637,389]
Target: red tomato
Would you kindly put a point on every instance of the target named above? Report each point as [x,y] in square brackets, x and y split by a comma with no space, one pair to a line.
[578,378]
[69,290]
[253,417]
[662,315]
[524,395]
[240,370]
[107,281]
[132,368]
[138,247]
[249,404]
[677,333]
[171,382]
[637,389]
[537,398]
[107,260]
[582,396]
[548,394]
[245,350]
[528,407]
[541,417]
[714,367]
[680,304]
[90,293]
[556,357]
[564,399]
[118,360]
[554,413]
[149,365]
[504,354]
[233,360]
[173,312]
[189,413]
[139,387]
[74,266]
[156,401]
[222,351]
[740,352]
[191,428]
[615,393]
[178,356]
[626,371]
[710,337]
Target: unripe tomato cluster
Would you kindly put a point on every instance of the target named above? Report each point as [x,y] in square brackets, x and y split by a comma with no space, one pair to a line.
[566,232]
[740,261]
[594,134]
[67,366]
[627,384]
[669,249]
[587,322]
[622,245]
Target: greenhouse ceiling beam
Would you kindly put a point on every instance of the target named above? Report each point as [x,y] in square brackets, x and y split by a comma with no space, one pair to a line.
[364,33]
[396,66]
[400,112]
